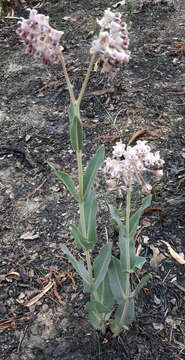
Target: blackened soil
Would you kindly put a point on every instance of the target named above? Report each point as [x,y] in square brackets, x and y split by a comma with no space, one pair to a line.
[35,208]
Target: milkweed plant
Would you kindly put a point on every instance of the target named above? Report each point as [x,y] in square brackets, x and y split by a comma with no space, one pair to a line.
[107,277]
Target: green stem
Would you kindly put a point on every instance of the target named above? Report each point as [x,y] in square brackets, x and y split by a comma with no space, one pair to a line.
[86,79]
[127,245]
[82,213]
[70,88]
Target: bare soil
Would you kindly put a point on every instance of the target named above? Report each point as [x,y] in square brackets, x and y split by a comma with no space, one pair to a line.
[35,208]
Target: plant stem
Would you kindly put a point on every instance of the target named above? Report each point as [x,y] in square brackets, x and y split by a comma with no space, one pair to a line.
[70,88]
[127,245]
[82,213]
[86,79]
[127,251]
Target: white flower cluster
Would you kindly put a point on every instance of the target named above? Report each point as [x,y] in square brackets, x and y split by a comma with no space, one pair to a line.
[112,43]
[129,164]
[41,40]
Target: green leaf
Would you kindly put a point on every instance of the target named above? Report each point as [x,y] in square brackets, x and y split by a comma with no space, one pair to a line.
[117,279]
[141,284]
[78,267]
[81,241]
[104,295]
[66,180]
[92,169]
[101,308]
[115,216]
[90,209]
[139,262]
[101,265]
[71,112]
[76,134]
[96,319]
[134,220]
[130,313]
[124,316]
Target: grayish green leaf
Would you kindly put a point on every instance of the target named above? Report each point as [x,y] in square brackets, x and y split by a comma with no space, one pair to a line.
[134,220]
[78,266]
[117,279]
[104,295]
[141,284]
[92,169]
[76,134]
[101,265]
[81,241]
[90,209]
[66,180]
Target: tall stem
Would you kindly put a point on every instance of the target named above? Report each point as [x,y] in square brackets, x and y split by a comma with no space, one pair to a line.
[67,78]
[127,247]
[82,213]
[86,79]
[82,210]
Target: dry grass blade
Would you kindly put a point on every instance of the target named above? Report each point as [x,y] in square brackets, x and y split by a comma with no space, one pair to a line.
[39,296]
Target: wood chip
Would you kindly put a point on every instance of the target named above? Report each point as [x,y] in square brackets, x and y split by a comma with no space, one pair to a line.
[178,257]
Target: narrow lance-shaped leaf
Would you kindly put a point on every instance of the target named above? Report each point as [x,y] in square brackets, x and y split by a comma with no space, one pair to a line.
[90,209]
[136,261]
[66,179]
[76,134]
[104,295]
[134,220]
[92,169]
[124,316]
[81,241]
[101,265]
[141,284]
[78,266]
[117,280]
[71,112]
[115,216]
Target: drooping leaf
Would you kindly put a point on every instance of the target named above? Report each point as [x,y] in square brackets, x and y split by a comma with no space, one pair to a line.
[134,220]
[90,209]
[76,134]
[101,265]
[92,169]
[79,267]
[117,279]
[81,241]
[66,180]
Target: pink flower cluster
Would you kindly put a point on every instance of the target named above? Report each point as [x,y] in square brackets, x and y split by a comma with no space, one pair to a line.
[112,43]
[41,40]
[129,164]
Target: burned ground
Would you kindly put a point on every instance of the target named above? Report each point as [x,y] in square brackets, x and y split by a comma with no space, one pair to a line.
[35,208]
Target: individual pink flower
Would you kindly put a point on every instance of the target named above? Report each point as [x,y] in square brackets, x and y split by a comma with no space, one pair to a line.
[40,39]
[112,42]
